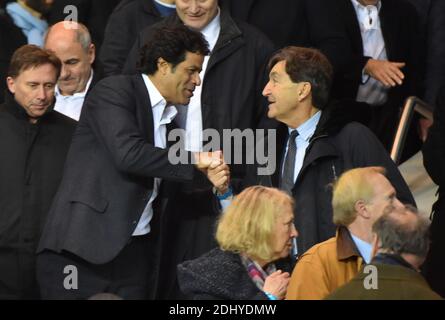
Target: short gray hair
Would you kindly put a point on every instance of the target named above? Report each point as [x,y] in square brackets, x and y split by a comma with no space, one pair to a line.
[399,236]
[83,36]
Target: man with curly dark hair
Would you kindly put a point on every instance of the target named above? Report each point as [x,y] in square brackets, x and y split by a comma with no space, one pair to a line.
[105,218]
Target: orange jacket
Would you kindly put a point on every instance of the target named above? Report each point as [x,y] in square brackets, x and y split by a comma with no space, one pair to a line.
[325,267]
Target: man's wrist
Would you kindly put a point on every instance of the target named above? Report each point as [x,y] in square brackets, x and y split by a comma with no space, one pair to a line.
[223,196]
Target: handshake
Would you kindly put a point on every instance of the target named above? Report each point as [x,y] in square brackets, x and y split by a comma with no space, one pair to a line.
[213,166]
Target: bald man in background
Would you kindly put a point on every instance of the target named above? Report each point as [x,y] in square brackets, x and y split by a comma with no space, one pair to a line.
[71,42]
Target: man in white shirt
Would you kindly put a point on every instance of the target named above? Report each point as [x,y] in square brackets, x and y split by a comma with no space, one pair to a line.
[230,98]
[316,142]
[108,213]
[374,47]
[71,42]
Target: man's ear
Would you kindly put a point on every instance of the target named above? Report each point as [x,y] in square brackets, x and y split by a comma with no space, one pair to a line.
[92,53]
[361,209]
[163,66]
[11,84]
[304,90]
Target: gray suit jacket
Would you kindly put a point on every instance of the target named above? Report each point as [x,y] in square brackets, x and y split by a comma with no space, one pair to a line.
[109,173]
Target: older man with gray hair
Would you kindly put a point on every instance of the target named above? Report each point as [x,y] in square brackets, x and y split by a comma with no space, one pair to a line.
[401,243]
[360,196]
[71,42]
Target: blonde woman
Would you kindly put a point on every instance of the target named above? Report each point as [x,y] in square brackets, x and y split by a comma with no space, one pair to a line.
[256,230]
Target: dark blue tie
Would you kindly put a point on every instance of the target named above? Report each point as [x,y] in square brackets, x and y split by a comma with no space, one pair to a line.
[287,180]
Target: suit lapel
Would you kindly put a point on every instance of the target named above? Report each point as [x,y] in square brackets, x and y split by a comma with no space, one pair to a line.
[320,148]
[347,11]
[143,108]
[389,27]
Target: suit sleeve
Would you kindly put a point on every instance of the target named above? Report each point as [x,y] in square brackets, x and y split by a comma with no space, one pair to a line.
[434,147]
[116,45]
[131,62]
[328,34]
[366,150]
[110,112]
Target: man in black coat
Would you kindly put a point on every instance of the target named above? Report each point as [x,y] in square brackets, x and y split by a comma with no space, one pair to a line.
[434,159]
[352,41]
[124,25]
[326,142]
[283,21]
[34,141]
[105,218]
[230,99]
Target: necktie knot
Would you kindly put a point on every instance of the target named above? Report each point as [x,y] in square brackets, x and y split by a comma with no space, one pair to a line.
[293,135]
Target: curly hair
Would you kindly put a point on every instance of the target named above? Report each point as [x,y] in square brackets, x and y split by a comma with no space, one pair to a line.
[170,43]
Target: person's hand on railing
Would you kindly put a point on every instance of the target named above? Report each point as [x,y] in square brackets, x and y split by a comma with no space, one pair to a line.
[424,125]
[387,72]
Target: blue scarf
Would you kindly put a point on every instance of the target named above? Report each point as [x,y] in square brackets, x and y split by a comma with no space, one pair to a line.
[33,28]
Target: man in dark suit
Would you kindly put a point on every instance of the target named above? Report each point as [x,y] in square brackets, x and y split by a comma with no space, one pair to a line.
[316,142]
[71,42]
[128,19]
[105,219]
[433,160]
[34,141]
[230,99]
[283,21]
[373,45]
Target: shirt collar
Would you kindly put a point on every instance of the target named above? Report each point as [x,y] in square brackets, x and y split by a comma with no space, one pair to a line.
[211,31]
[368,16]
[364,247]
[82,94]
[172,6]
[359,5]
[157,101]
[307,129]
[346,248]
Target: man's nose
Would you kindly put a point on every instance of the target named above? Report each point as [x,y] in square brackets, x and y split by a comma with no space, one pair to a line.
[398,204]
[266,90]
[197,80]
[41,94]
[65,72]
[194,7]
[294,232]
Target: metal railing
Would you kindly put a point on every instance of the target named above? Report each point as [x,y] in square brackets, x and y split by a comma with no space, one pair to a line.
[411,104]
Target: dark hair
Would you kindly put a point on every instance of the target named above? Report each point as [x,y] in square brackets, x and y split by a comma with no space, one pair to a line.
[170,43]
[308,65]
[399,236]
[31,56]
